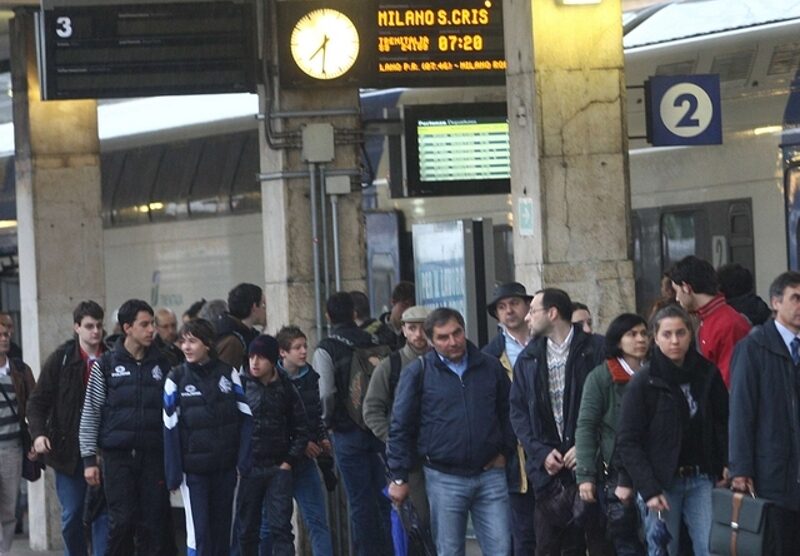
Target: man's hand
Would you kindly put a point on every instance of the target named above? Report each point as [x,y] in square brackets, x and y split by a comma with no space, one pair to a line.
[285,466]
[313,450]
[498,461]
[624,494]
[553,463]
[743,484]
[658,503]
[586,491]
[92,475]
[398,493]
[570,458]
[41,445]
[326,447]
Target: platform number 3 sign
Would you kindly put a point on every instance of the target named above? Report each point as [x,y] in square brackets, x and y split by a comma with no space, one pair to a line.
[683,110]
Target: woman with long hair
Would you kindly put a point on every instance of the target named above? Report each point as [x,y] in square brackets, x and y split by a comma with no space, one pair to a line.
[672,433]
[598,471]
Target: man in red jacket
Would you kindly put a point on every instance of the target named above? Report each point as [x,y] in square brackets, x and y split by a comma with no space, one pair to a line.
[721,326]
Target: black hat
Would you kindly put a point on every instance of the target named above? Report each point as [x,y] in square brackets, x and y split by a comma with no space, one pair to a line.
[510,289]
[265,346]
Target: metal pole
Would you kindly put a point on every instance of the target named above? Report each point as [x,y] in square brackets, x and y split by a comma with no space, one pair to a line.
[335,223]
[326,265]
[312,172]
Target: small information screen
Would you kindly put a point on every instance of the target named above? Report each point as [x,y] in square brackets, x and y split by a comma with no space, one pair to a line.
[457,149]
[463,149]
[443,43]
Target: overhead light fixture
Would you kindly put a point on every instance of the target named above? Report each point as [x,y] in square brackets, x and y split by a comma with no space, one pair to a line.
[577,2]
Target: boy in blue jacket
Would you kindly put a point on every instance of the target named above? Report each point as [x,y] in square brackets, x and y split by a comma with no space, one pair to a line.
[207,429]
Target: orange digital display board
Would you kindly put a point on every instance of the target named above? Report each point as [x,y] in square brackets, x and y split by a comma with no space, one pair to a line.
[433,43]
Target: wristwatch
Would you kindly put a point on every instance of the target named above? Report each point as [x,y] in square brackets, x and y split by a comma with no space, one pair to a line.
[399,482]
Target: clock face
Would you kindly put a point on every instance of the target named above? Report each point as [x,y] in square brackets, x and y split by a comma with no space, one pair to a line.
[324,43]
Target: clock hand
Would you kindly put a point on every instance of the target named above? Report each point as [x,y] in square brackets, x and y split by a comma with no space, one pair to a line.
[321,48]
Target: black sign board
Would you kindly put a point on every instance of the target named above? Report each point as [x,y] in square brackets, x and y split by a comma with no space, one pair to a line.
[412,43]
[130,50]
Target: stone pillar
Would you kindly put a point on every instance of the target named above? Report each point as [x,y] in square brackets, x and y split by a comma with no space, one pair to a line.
[60,229]
[286,208]
[566,102]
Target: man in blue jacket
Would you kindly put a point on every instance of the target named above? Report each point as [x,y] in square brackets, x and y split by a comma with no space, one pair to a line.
[451,410]
[764,425]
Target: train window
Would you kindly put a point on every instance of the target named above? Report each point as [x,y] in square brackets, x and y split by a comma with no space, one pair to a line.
[677,68]
[215,171]
[678,237]
[734,66]
[246,190]
[174,180]
[785,58]
[131,201]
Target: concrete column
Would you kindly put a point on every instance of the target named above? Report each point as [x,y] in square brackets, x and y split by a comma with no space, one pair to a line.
[566,101]
[60,230]
[286,211]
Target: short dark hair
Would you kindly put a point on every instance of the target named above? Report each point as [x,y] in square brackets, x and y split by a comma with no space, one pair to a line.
[287,335]
[340,308]
[440,317]
[130,309]
[578,306]
[404,291]
[734,280]
[203,331]
[242,298]
[697,273]
[360,304]
[194,309]
[783,281]
[554,297]
[617,329]
[87,308]
[669,312]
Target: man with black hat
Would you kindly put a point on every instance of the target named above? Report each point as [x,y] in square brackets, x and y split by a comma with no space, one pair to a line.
[509,306]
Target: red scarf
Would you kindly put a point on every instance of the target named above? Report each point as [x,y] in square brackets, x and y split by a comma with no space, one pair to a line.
[618,373]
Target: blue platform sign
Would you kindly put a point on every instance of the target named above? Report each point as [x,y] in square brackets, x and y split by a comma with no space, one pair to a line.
[683,110]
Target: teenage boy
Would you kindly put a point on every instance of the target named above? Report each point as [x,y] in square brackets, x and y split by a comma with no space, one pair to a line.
[280,436]
[307,487]
[54,413]
[122,419]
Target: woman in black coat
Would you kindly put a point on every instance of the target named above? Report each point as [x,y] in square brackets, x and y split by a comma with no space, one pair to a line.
[672,435]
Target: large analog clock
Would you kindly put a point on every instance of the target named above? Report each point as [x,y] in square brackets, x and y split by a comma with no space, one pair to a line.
[324,43]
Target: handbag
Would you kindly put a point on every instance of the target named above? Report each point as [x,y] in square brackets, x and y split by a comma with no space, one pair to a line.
[31,470]
[561,503]
[739,524]
[622,520]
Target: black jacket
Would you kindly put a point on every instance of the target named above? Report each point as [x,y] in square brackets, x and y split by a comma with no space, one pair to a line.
[456,425]
[531,410]
[171,352]
[753,307]
[764,428]
[280,432]
[341,355]
[653,416]
[210,420]
[131,415]
[307,383]
[54,407]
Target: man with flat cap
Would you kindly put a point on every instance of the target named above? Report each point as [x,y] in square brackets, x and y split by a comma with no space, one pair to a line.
[509,306]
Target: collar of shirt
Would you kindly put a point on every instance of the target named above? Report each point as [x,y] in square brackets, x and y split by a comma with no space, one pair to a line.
[562,347]
[457,367]
[716,302]
[786,334]
[5,369]
[513,346]
[627,368]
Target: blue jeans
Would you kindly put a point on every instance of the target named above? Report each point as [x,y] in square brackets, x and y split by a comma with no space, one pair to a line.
[690,498]
[271,486]
[363,476]
[71,490]
[484,496]
[307,491]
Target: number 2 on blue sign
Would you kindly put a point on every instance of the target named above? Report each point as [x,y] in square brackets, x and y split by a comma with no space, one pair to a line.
[688,119]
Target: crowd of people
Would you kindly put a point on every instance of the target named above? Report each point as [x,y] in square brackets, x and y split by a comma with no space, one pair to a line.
[551,439]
